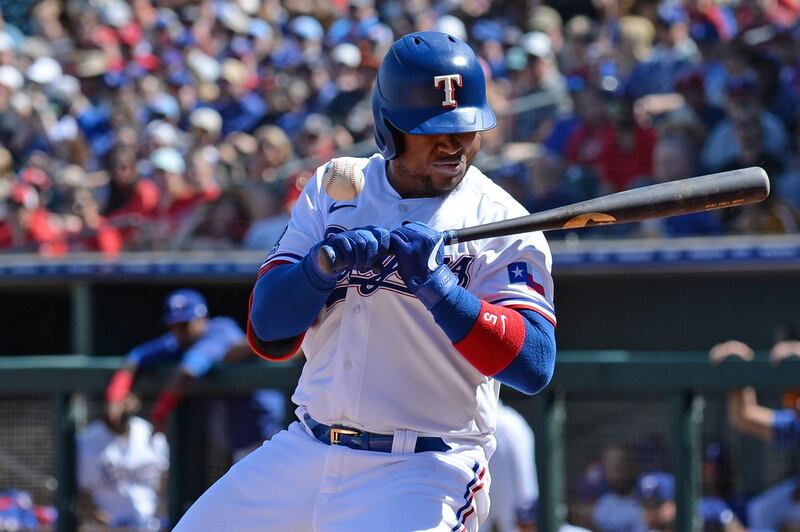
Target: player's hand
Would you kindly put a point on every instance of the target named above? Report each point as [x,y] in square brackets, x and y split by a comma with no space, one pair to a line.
[783,350]
[356,249]
[420,262]
[731,348]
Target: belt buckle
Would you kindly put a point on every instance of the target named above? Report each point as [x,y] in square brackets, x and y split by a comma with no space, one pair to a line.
[337,432]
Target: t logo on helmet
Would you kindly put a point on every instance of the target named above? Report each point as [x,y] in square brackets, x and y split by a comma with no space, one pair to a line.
[449,88]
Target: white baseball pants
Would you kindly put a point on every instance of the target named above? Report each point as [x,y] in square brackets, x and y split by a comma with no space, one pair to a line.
[296,483]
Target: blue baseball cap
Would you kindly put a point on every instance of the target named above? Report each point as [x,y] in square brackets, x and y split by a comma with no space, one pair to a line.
[184,305]
[656,486]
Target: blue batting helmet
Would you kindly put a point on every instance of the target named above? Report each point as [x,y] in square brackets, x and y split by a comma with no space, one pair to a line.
[429,83]
[184,305]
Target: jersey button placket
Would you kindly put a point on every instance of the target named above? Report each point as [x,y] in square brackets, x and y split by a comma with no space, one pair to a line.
[350,349]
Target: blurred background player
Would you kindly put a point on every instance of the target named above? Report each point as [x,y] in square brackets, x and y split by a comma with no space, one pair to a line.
[655,491]
[720,509]
[619,509]
[122,465]
[196,342]
[778,508]
[515,487]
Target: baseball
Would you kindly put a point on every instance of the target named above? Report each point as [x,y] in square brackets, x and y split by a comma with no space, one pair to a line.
[343,178]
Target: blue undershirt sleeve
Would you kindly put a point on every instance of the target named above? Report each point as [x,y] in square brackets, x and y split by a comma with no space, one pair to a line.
[287,300]
[533,368]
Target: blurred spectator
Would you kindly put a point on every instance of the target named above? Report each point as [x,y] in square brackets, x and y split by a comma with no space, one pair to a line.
[626,147]
[717,508]
[220,225]
[87,229]
[749,134]
[122,465]
[92,83]
[28,226]
[18,512]
[537,73]
[547,185]
[274,150]
[618,510]
[584,143]
[241,109]
[673,159]
[674,53]
[778,508]
[656,493]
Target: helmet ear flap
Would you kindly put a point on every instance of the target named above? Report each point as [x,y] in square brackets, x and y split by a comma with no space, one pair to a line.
[397,139]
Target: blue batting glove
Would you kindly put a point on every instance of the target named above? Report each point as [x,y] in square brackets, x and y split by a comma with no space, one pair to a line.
[420,262]
[356,249]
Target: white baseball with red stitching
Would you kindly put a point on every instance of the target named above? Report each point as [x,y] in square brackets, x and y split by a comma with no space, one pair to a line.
[343,178]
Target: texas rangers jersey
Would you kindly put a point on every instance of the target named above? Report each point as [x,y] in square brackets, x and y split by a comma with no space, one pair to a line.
[376,360]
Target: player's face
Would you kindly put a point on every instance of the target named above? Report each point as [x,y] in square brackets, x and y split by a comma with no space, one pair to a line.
[189,332]
[431,165]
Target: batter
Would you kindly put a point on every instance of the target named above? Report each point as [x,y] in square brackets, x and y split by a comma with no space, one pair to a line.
[398,396]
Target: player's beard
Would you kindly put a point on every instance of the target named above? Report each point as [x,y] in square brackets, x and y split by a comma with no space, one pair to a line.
[427,184]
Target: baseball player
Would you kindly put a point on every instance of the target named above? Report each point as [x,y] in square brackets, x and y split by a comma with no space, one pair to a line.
[779,506]
[121,464]
[196,342]
[398,396]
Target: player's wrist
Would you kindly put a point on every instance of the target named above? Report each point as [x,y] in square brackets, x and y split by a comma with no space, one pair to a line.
[441,282]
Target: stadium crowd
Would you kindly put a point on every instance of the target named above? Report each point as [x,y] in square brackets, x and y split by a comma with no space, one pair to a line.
[185,125]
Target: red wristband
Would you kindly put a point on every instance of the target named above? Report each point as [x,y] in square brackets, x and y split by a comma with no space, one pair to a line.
[120,385]
[495,339]
[166,403]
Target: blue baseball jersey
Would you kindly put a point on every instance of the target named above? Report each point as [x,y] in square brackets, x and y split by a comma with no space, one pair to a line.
[222,334]
[252,418]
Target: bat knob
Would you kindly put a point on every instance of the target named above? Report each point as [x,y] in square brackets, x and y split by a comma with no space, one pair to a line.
[326,259]
[450,237]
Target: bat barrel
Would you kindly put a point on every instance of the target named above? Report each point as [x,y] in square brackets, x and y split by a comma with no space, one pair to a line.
[695,194]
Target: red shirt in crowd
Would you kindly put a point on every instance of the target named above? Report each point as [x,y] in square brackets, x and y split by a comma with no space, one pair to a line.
[600,150]
[41,235]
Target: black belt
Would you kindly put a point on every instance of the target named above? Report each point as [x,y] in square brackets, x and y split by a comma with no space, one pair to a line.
[367,441]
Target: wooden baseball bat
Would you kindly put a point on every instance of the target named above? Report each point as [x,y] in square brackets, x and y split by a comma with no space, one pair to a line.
[695,194]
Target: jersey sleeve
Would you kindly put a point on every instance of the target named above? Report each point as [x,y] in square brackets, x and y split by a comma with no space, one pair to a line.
[160,449]
[161,350]
[306,227]
[786,427]
[210,349]
[515,272]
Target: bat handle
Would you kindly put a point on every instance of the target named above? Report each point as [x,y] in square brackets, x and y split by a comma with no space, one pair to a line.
[326,259]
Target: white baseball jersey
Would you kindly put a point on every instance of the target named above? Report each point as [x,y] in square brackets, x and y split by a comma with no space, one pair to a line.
[376,360]
[123,472]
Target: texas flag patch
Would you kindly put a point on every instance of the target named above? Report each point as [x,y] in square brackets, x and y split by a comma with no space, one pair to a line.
[518,273]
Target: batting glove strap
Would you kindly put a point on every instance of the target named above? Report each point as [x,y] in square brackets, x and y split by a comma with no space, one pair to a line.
[435,288]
